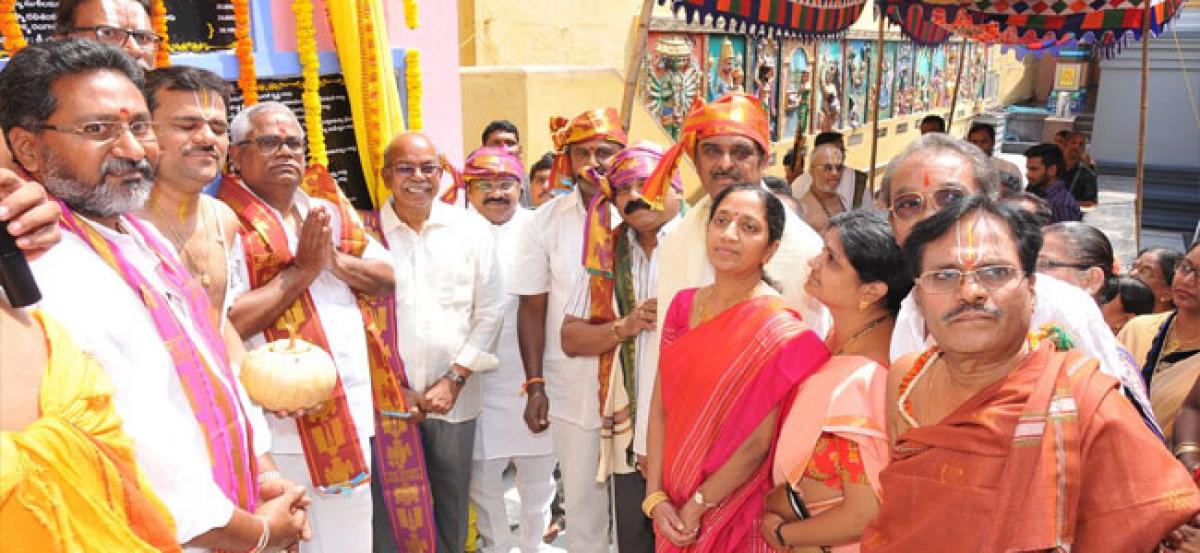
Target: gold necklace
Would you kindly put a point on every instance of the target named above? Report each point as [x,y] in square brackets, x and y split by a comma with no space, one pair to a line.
[708,296]
[197,267]
[865,330]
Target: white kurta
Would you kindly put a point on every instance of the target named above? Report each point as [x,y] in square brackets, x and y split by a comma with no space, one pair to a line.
[110,322]
[684,264]
[644,272]
[550,261]
[1055,302]
[343,325]
[501,432]
[448,300]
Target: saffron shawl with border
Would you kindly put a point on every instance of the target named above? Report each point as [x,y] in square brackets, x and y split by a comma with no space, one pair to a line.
[69,481]
[1051,456]
[718,381]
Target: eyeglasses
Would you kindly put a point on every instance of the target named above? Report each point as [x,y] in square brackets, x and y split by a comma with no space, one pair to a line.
[407,171]
[948,281]
[117,36]
[913,204]
[1044,265]
[270,143]
[1186,269]
[487,186]
[830,167]
[107,131]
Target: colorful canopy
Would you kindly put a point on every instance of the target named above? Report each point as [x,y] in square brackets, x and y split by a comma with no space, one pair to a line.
[794,18]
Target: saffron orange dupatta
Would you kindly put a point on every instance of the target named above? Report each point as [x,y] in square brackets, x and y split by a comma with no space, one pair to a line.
[719,381]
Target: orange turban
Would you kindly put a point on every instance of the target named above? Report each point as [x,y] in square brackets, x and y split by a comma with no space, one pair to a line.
[597,123]
[734,113]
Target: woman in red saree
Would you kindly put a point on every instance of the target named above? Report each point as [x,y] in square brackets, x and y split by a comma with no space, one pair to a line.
[732,357]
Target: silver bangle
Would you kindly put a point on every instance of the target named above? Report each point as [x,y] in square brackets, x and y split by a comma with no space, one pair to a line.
[264,537]
[268,475]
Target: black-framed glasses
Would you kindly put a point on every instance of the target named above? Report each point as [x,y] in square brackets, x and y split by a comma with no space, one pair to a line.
[107,131]
[1045,264]
[912,204]
[118,36]
[405,170]
[948,281]
[269,144]
[503,185]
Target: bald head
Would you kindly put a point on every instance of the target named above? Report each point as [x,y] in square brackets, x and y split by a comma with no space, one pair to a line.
[826,165]
[408,143]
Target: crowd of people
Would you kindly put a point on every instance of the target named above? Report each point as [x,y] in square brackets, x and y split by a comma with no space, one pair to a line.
[955,363]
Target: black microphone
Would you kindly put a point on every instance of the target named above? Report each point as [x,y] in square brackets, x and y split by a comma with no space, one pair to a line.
[15,277]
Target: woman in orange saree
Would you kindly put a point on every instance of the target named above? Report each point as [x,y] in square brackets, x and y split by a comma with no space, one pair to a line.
[732,356]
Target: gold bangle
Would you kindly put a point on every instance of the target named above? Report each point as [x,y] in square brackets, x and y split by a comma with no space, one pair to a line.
[617,332]
[1186,447]
[654,500]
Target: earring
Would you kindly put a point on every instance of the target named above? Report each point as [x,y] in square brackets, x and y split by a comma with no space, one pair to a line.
[863,304]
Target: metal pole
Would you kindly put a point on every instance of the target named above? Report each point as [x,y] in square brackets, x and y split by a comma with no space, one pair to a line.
[962,58]
[1141,149]
[634,68]
[875,101]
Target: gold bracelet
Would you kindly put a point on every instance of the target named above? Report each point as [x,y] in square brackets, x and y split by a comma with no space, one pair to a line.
[1186,447]
[654,500]
[617,332]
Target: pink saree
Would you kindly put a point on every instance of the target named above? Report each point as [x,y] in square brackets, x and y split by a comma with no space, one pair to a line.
[719,381]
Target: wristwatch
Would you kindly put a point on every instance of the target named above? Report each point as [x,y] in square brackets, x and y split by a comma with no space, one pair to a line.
[458,379]
[698,498]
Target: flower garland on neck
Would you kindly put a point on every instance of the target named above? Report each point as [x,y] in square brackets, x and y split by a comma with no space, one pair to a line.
[412,84]
[370,81]
[247,79]
[158,19]
[410,13]
[310,69]
[10,27]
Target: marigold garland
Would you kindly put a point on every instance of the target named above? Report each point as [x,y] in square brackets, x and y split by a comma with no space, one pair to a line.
[14,38]
[410,13]
[412,83]
[158,19]
[310,69]
[370,81]
[247,78]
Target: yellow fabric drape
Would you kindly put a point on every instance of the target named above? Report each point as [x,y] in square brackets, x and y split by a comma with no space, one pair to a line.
[375,107]
[58,490]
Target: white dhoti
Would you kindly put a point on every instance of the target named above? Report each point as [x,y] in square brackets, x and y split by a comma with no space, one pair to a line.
[340,523]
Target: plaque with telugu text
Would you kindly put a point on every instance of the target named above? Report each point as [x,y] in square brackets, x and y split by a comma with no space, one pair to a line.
[192,25]
[340,142]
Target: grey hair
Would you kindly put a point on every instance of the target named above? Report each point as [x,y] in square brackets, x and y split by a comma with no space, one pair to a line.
[240,128]
[986,176]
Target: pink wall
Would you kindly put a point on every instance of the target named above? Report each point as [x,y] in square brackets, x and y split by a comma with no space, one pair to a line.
[436,37]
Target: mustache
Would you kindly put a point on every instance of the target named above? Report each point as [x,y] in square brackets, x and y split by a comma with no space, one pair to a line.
[636,205]
[730,173]
[113,165]
[203,148]
[970,307]
[504,201]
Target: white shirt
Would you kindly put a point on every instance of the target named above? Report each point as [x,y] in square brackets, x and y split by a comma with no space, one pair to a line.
[449,300]
[1055,302]
[550,261]
[644,272]
[501,432]
[110,322]
[845,189]
[342,323]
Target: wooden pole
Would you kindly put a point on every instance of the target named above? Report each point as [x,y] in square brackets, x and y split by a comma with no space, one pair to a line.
[816,97]
[634,68]
[875,102]
[1141,148]
[962,58]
